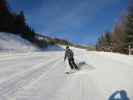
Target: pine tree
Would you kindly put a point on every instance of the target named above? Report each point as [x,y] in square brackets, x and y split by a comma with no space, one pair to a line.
[119,38]
[29,33]
[5,16]
[129,26]
[104,43]
[4,6]
[20,23]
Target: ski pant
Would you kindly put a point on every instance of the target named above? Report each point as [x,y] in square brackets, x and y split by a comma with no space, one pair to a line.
[72,63]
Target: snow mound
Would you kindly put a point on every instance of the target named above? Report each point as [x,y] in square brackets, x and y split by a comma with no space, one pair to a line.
[13,43]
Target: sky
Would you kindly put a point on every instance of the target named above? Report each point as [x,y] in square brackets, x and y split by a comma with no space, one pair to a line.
[79,21]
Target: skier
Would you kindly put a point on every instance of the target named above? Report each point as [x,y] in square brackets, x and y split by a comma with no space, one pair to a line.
[69,54]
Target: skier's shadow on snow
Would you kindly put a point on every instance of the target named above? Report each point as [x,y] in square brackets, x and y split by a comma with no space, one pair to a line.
[84,65]
[119,95]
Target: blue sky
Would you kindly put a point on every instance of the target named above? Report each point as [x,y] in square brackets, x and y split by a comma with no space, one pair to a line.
[79,21]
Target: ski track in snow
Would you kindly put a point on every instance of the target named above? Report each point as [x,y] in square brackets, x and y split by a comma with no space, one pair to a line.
[13,85]
[40,76]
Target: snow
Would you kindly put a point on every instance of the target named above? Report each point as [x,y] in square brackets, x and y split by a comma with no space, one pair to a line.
[41,76]
[13,43]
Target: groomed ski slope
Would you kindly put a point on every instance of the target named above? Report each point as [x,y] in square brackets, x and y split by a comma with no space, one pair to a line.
[40,76]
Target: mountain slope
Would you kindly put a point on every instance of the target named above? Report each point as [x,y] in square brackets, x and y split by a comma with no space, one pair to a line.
[40,76]
[13,43]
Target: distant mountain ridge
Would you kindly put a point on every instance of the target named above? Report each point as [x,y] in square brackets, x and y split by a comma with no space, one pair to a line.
[51,40]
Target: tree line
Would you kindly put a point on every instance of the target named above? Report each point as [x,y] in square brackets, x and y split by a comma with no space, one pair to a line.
[121,37]
[15,23]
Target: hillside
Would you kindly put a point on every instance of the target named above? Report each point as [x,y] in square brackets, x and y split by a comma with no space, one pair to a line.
[14,43]
[52,41]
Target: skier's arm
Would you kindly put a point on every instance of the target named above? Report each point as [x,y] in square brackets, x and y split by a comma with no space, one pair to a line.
[65,56]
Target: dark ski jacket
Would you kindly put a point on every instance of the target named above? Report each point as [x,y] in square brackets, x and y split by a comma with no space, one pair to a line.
[68,54]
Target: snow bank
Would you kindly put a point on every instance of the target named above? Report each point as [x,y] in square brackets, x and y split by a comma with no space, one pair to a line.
[13,43]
